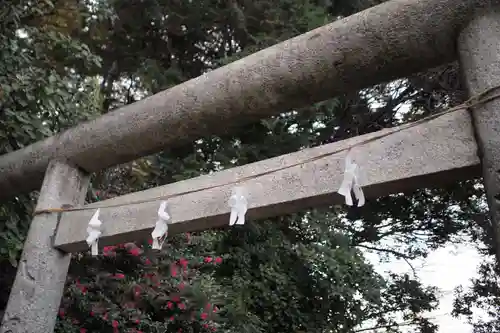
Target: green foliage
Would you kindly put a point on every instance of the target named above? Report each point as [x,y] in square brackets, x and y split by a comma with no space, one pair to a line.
[37,99]
[131,288]
[318,281]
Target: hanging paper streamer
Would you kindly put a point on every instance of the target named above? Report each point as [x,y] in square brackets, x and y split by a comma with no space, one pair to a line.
[351,184]
[239,205]
[160,231]
[94,232]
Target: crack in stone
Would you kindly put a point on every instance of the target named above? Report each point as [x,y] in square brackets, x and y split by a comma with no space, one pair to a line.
[25,271]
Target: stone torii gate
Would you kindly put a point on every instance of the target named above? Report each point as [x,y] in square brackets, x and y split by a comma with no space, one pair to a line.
[392,40]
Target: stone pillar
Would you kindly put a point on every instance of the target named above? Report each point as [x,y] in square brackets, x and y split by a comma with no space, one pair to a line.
[36,294]
[479,52]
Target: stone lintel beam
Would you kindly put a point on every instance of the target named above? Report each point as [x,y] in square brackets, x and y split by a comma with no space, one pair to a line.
[430,154]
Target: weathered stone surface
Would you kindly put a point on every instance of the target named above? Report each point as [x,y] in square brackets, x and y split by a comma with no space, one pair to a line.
[430,154]
[391,40]
[36,294]
[479,48]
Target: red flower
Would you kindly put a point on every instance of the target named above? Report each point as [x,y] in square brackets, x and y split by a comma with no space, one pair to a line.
[176,299]
[173,270]
[147,261]
[83,289]
[150,241]
[137,290]
[92,313]
[119,276]
[183,262]
[83,330]
[114,324]
[135,252]
[137,321]
[172,318]
[204,315]
[207,259]
[181,285]
[214,329]
[182,306]
[61,313]
[205,325]
[108,248]
[215,309]
[170,305]
[218,260]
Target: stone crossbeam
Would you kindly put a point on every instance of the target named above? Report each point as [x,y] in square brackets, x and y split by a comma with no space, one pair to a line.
[434,153]
[391,40]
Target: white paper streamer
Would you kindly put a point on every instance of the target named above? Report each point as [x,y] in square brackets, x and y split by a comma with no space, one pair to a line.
[239,206]
[94,232]
[351,184]
[160,231]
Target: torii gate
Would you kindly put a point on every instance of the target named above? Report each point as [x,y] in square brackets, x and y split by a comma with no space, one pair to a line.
[394,39]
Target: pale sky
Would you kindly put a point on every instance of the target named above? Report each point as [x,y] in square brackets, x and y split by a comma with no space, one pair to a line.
[446,269]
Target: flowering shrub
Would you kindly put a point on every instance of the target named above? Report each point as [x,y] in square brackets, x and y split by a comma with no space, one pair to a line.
[131,288]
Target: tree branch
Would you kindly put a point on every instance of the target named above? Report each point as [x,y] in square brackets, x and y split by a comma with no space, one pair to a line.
[395,253]
[384,326]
